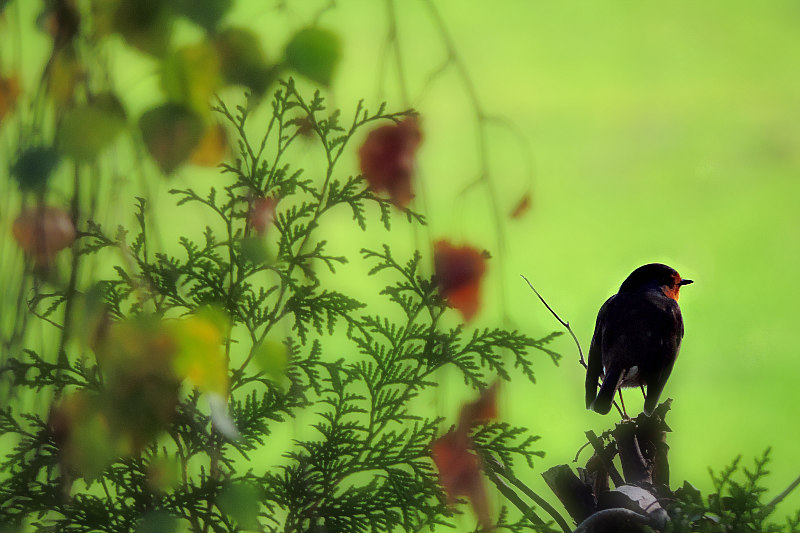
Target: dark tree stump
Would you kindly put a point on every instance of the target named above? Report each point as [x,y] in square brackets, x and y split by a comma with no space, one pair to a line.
[633,505]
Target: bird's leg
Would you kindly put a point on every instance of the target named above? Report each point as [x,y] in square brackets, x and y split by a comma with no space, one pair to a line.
[624,412]
[619,390]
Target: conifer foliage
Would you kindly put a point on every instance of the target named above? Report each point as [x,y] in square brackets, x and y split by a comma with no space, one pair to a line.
[185,370]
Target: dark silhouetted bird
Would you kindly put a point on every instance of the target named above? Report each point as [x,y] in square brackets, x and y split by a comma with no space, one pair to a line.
[636,338]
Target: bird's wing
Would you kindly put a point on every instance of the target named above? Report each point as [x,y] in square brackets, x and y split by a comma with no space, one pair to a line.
[665,356]
[595,363]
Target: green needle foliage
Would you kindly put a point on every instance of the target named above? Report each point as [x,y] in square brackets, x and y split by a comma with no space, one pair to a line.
[365,466]
[733,506]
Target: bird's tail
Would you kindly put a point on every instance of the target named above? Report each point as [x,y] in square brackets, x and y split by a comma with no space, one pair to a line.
[602,404]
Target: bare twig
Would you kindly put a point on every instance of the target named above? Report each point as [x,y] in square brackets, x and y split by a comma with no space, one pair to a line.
[562,322]
[569,329]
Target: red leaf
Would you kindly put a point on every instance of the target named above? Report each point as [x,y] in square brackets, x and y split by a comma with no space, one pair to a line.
[262,214]
[43,232]
[460,472]
[481,410]
[387,159]
[459,467]
[459,271]
[522,207]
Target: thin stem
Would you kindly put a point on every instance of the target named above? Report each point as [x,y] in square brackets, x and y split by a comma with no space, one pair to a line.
[569,329]
[514,498]
[777,499]
[495,465]
[562,322]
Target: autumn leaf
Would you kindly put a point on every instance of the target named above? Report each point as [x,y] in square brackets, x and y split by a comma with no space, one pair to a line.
[9,93]
[459,272]
[460,472]
[171,133]
[387,159]
[459,466]
[66,71]
[191,75]
[212,148]
[199,353]
[262,214]
[481,410]
[43,231]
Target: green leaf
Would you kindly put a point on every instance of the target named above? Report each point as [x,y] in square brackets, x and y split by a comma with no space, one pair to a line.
[34,166]
[87,129]
[314,53]
[205,13]
[254,249]
[191,75]
[272,357]
[171,132]
[242,59]
[241,502]
[157,522]
[145,25]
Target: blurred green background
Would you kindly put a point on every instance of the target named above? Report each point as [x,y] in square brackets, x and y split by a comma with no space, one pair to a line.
[658,132]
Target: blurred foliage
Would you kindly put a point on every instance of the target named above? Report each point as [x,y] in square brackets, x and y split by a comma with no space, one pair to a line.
[174,367]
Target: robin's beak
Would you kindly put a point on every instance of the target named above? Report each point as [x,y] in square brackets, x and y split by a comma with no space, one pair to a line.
[686,282]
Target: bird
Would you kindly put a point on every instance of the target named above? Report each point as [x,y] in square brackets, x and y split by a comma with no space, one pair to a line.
[636,338]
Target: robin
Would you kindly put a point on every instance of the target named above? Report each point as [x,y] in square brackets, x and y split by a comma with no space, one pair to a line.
[636,338]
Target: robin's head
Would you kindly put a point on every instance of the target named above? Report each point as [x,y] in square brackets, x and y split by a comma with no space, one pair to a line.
[655,276]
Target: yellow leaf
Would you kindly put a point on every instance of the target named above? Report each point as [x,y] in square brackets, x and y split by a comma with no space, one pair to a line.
[65,73]
[199,356]
[212,149]
[191,75]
